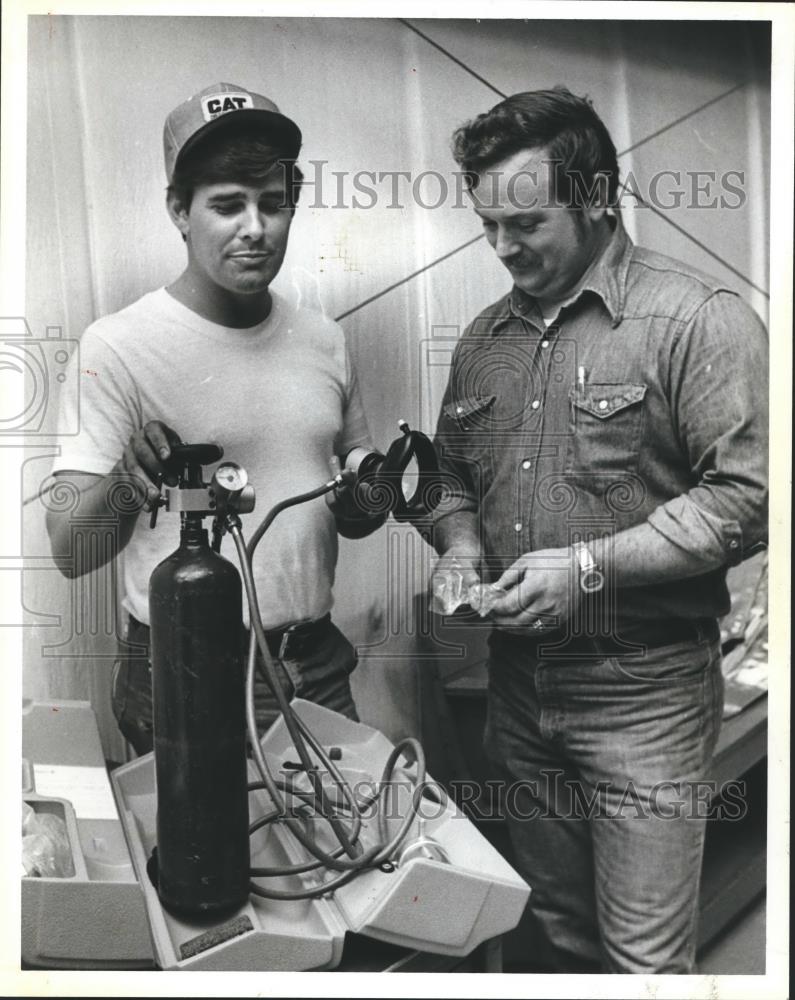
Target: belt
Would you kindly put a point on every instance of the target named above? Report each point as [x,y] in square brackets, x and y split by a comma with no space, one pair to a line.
[650,634]
[286,641]
[291,641]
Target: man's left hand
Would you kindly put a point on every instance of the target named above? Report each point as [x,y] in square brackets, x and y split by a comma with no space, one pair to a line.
[541,590]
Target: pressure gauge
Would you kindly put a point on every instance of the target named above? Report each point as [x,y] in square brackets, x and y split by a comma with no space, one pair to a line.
[231,477]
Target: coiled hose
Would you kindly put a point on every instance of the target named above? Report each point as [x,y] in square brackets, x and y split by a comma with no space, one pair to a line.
[344,814]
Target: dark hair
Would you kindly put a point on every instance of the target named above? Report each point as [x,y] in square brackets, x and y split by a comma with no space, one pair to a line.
[238,154]
[567,127]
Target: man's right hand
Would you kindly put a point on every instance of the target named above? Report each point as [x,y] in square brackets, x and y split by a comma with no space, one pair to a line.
[453,576]
[139,470]
[145,457]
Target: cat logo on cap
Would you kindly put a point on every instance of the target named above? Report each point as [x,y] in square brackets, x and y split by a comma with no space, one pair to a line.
[215,105]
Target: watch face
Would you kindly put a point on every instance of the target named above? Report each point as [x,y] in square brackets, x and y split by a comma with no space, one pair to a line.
[592,580]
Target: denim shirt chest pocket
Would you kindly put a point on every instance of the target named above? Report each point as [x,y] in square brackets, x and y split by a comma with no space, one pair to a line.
[469,428]
[606,427]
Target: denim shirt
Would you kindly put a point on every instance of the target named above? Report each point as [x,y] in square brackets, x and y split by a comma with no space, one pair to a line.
[646,400]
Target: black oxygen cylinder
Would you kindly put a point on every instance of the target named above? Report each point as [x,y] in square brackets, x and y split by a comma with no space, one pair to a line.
[198,688]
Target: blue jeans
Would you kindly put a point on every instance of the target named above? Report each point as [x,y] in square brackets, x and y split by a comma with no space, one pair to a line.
[316,667]
[602,759]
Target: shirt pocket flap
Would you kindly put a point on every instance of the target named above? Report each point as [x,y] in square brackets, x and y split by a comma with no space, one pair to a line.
[466,410]
[604,399]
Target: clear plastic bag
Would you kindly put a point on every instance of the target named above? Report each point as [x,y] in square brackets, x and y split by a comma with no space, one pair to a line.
[451,592]
[483,596]
[46,851]
[28,817]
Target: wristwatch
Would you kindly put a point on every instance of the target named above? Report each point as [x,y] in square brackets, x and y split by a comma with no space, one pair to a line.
[592,578]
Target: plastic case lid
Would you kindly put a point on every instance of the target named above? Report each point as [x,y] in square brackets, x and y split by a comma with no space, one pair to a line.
[424,904]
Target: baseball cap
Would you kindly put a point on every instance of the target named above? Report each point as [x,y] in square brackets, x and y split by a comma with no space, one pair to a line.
[215,107]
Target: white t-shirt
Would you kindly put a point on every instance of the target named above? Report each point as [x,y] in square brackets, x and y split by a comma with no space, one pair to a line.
[281,398]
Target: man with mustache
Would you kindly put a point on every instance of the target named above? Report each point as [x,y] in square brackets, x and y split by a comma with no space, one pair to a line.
[217,356]
[604,432]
